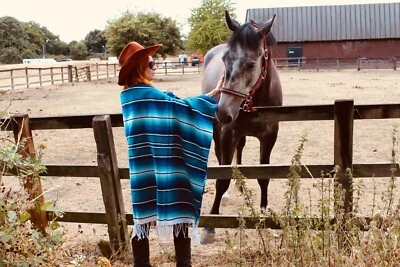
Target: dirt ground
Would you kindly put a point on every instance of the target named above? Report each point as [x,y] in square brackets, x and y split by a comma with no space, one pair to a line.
[372,142]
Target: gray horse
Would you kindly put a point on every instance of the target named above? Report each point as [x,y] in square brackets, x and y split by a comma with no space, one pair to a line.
[250,80]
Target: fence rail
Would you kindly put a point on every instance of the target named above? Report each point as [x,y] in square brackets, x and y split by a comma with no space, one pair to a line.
[342,112]
[337,63]
[40,76]
[28,77]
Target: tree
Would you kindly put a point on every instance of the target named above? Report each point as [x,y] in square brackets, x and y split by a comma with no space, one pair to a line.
[147,29]
[78,50]
[207,24]
[95,41]
[41,37]
[20,40]
[13,41]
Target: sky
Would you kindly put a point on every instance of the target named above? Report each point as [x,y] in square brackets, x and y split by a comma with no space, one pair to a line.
[74,19]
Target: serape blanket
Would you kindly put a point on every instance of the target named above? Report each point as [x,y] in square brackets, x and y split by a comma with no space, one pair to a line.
[169,141]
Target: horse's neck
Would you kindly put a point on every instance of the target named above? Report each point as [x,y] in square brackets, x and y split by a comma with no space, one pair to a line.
[264,95]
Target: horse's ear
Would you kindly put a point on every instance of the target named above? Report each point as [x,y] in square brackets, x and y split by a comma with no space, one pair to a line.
[266,28]
[232,24]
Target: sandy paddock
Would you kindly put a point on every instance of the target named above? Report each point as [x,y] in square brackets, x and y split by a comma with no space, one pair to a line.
[372,140]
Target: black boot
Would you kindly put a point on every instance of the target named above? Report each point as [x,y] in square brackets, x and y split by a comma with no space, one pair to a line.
[141,252]
[183,251]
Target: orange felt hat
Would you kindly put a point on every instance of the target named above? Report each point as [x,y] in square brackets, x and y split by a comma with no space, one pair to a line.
[130,57]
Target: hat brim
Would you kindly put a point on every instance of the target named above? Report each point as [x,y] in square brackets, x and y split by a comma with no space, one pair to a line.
[134,60]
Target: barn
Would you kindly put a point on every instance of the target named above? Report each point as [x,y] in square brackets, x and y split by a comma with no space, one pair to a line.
[334,31]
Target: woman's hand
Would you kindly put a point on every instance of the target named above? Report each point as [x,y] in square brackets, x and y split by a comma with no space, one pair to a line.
[217,90]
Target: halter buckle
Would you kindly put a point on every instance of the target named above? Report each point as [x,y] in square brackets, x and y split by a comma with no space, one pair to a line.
[245,107]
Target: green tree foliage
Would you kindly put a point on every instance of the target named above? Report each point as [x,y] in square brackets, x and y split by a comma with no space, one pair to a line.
[207,24]
[38,36]
[19,40]
[95,41]
[147,29]
[14,40]
[78,51]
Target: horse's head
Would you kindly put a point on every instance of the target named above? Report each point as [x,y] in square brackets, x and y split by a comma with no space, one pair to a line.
[245,60]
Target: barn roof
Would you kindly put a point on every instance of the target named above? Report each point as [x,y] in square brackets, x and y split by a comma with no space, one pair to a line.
[332,22]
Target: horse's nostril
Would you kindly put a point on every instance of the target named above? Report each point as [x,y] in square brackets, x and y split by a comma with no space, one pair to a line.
[222,117]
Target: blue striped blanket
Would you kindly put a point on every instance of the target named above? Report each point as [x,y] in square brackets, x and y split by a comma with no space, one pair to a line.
[169,141]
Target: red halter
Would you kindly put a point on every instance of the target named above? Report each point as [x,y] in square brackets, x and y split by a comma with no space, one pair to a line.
[248,98]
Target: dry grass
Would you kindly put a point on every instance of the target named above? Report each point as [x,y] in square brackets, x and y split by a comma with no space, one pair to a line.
[233,247]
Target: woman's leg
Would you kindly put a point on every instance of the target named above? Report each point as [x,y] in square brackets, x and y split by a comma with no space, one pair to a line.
[183,253]
[141,250]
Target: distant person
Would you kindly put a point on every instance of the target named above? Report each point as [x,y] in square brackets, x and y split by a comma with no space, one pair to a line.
[168,146]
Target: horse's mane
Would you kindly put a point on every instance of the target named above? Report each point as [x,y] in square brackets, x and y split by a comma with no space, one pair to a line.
[245,36]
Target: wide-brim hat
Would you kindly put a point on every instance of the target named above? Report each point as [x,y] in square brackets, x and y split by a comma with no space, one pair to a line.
[132,54]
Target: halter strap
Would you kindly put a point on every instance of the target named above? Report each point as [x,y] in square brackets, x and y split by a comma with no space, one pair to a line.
[248,98]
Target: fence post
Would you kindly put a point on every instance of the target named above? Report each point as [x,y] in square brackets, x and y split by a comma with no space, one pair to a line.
[76,74]
[27,77]
[358,63]
[33,186]
[70,77]
[40,77]
[110,183]
[12,79]
[52,75]
[88,74]
[108,75]
[317,64]
[343,157]
[394,63]
[62,74]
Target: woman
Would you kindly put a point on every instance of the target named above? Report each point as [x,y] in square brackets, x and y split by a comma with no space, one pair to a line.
[168,146]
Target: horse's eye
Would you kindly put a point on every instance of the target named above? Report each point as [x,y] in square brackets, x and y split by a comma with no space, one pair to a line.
[251,66]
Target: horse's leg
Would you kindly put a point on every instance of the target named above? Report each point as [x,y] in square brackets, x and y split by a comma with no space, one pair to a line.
[225,151]
[226,146]
[239,149]
[267,142]
[217,138]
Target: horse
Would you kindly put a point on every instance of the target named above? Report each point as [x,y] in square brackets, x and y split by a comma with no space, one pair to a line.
[250,80]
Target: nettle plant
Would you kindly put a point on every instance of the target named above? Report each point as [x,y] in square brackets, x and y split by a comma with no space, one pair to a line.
[323,234]
[21,244]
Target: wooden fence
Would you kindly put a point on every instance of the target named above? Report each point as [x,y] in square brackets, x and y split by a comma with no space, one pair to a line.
[337,63]
[343,112]
[28,77]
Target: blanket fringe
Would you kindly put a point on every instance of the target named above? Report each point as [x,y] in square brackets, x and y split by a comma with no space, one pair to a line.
[166,230]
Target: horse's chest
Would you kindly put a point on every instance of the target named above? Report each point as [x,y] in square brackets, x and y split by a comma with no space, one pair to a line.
[251,124]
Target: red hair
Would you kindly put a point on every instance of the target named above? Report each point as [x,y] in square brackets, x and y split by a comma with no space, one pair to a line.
[137,75]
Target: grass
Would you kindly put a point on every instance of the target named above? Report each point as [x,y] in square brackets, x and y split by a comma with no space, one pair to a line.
[324,234]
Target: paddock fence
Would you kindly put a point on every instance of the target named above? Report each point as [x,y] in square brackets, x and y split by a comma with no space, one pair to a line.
[337,63]
[342,112]
[28,77]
